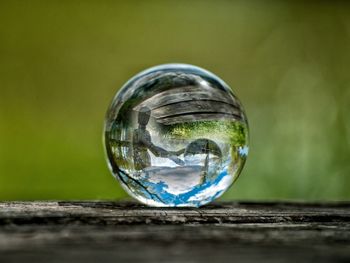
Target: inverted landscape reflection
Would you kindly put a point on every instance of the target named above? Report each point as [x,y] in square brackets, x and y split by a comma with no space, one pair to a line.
[176,135]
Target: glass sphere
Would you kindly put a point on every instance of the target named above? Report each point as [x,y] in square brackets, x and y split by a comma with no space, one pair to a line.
[176,135]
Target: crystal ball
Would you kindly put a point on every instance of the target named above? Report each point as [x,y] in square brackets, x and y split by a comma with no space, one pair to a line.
[176,135]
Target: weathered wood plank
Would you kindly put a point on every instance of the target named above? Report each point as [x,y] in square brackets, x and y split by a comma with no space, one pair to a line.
[194,103]
[194,107]
[221,232]
[186,93]
[116,212]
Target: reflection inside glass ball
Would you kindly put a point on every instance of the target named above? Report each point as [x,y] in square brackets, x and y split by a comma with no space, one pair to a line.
[176,135]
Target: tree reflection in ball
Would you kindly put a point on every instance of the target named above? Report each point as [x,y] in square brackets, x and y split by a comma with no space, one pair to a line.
[176,135]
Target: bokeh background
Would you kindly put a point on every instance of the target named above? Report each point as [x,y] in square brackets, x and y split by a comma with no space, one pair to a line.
[61,62]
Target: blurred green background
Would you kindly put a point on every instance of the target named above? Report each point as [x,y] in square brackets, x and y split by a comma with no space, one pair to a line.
[61,62]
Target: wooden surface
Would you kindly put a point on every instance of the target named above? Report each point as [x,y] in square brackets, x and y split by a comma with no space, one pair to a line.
[129,232]
[192,103]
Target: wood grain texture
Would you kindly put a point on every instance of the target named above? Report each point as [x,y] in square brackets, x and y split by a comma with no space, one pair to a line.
[129,232]
[192,103]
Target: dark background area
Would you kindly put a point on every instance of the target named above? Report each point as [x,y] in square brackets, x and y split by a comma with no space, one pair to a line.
[61,62]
